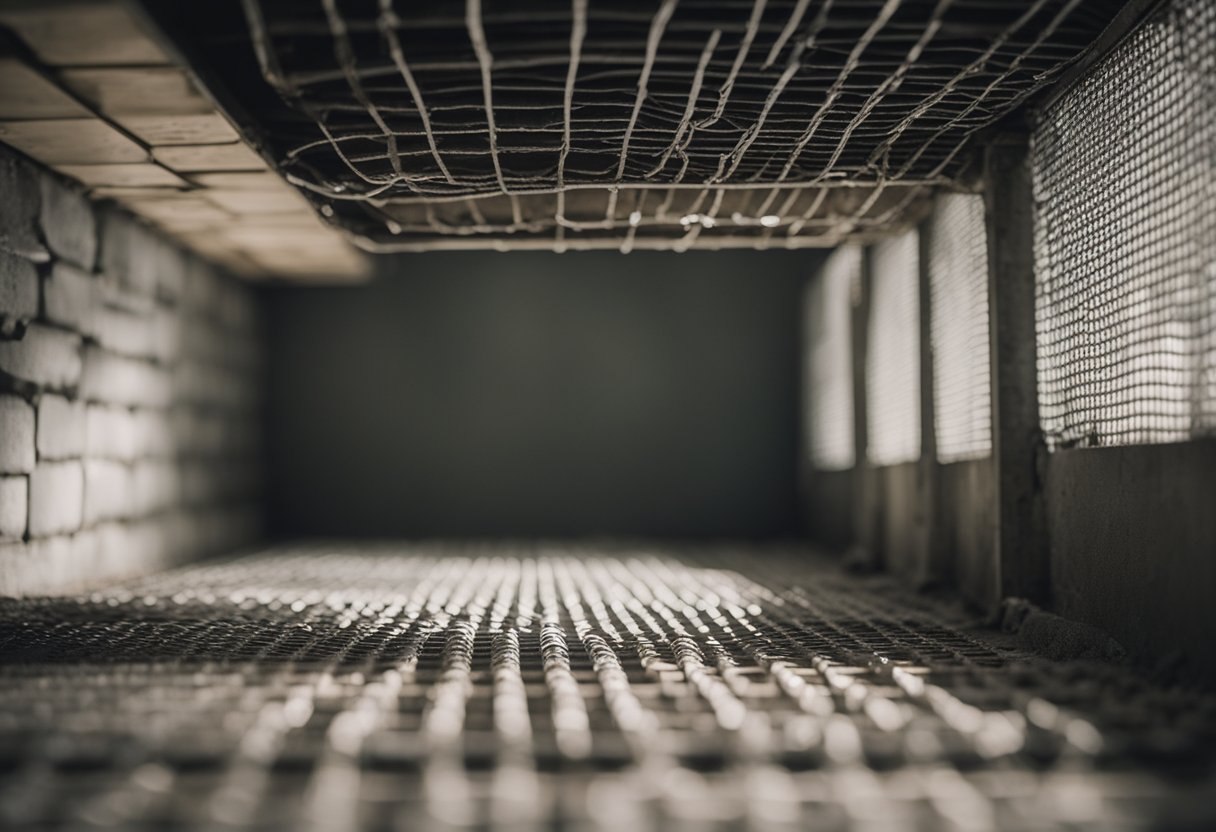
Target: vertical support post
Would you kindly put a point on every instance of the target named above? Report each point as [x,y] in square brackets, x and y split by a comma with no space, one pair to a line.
[932,567]
[806,508]
[1023,566]
[865,523]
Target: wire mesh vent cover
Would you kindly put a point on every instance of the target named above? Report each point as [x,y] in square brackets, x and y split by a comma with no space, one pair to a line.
[1125,183]
[893,352]
[958,275]
[517,687]
[829,361]
[628,124]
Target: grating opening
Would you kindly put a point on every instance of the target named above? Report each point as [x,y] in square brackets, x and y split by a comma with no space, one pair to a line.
[627,124]
[829,367]
[381,688]
[1125,177]
[893,352]
[958,275]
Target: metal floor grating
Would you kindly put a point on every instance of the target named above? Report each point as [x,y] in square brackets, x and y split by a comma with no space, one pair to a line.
[519,687]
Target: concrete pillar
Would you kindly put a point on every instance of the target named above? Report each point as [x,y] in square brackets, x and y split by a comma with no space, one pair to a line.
[1022,554]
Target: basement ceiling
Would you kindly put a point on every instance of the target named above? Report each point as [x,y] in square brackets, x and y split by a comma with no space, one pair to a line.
[668,124]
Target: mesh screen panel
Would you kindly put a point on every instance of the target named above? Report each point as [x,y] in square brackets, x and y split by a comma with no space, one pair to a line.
[958,274]
[1125,184]
[829,368]
[893,357]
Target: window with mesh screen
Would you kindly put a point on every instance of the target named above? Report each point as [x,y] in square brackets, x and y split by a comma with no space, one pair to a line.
[958,280]
[1125,191]
[829,367]
[893,357]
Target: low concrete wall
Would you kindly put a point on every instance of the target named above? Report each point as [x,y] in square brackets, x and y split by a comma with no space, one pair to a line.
[966,530]
[829,507]
[1133,545]
[130,393]
[900,527]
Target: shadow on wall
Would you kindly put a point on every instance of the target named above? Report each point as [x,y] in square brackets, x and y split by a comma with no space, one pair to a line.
[539,394]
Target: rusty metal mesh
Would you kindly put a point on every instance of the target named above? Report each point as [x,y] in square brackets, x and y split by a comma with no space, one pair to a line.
[1125,181]
[524,687]
[642,124]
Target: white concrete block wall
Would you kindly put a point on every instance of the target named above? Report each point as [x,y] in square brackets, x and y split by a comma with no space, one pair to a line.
[129,394]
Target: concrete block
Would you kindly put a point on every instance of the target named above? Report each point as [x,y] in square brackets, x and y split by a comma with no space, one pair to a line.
[19,208]
[165,129]
[68,223]
[203,340]
[153,433]
[159,90]
[61,428]
[126,249]
[236,306]
[113,293]
[16,436]
[44,356]
[24,571]
[111,432]
[126,175]
[18,292]
[206,158]
[166,335]
[56,498]
[125,333]
[26,93]
[139,259]
[155,486]
[115,379]
[200,289]
[14,507]
[202,383]
[82,34]
[281,200]
[174,211]
[171,270]
[71,141]
[201,482]
[109,492]
[71,297]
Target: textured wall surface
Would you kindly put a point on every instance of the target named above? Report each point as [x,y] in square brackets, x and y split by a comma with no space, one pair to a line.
[1133,548]
[129,392]
[540,394]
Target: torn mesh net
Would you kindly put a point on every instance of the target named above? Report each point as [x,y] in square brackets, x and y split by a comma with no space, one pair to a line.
[657,125]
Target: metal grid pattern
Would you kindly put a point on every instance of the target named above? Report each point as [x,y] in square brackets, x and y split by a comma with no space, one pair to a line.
[958,280]
[829,361]
[1125,175]
[661,125]
[893,352]
[444,687]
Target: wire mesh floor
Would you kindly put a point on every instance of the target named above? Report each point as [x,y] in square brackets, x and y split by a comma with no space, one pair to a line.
[518,687]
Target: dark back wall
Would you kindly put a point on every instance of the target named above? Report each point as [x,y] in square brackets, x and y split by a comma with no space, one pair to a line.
[533,394]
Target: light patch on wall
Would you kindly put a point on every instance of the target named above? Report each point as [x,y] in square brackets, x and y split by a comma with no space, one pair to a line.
[893,355]
[829,361]
[958,274]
